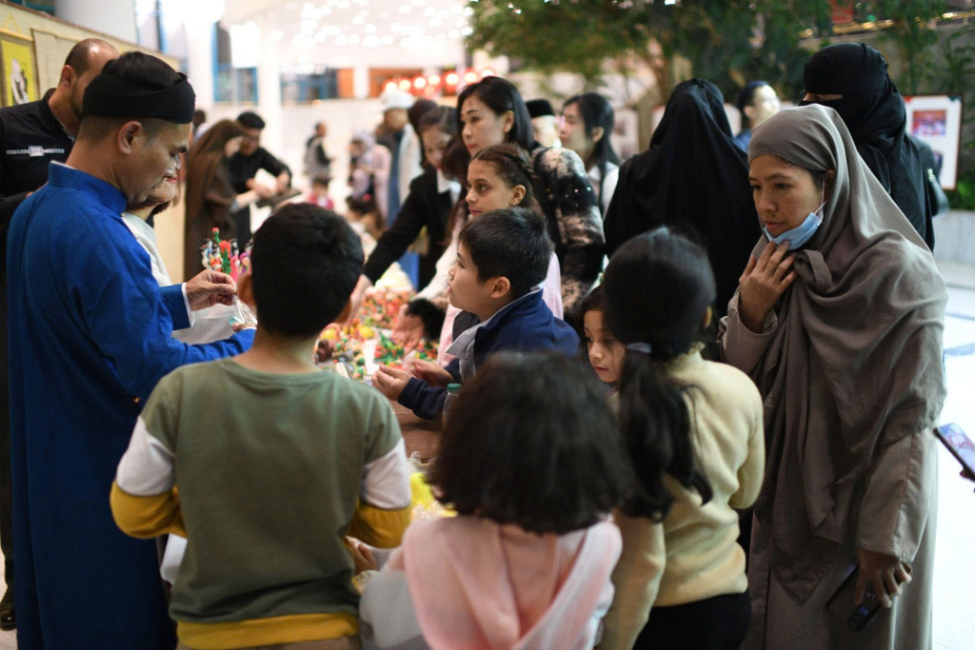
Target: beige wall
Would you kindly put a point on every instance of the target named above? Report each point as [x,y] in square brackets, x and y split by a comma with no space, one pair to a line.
[16,19]
[52,33]
[169,239]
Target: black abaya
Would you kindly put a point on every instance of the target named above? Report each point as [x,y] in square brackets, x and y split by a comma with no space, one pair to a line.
[875,114]
[695,178]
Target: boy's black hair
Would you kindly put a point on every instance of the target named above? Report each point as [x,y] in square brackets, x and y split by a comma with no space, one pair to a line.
[306,262]
[510,243]
[430,315]
[251,120]
[531,441]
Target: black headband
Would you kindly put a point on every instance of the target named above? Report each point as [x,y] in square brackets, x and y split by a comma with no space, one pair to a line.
[109,96]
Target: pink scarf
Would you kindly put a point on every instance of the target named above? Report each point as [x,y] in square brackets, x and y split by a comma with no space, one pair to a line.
[477,585]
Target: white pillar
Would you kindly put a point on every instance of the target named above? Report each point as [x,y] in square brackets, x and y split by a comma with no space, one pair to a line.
[270,93]
[113,17]
[200,61]
[361,82]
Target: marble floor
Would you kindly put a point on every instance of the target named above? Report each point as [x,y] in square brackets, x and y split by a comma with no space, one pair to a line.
[954,597]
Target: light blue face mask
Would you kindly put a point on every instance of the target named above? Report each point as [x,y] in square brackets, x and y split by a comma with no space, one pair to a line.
[797,237]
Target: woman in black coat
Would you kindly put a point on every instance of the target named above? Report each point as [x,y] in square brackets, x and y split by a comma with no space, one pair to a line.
[428,204]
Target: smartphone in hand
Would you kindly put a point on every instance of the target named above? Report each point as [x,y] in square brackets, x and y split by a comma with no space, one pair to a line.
[960,445]
[842,603]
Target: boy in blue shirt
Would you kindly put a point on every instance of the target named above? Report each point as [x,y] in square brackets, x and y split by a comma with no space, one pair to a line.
[503,257]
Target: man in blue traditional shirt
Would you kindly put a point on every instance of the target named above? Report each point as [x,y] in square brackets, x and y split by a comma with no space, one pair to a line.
[90,336]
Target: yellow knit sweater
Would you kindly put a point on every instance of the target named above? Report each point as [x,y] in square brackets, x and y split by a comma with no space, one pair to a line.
[693,554]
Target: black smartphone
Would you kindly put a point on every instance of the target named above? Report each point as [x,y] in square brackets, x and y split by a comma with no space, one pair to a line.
[959,444]
[842,603]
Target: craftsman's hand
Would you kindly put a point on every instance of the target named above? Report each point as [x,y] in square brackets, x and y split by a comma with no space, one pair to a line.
[763,282]
[886,573]
[408,330]
[356,298]
[262,191]
[283,181]
[431,373]
[324,350]
[209,288]
[391,381]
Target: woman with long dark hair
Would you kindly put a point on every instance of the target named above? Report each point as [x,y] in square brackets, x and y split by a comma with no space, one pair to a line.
[588,122]
[694,432]
[492,112]
[211,199]
[695,177]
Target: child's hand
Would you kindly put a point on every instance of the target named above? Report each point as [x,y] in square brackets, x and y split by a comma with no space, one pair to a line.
[324,350]
[390,381]
[431,373]
[408,330]
[363,559]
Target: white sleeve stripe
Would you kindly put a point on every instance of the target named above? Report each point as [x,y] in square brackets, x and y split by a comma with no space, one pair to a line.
[386,480]
[147,467]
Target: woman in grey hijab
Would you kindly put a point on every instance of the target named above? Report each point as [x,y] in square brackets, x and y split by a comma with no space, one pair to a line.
[839,321]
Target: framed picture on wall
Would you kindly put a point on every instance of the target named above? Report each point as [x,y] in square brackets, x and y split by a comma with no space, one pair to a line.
[936,120]
[19,81]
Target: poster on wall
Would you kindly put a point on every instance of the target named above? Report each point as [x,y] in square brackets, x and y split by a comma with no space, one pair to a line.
[19,82]
[935,119]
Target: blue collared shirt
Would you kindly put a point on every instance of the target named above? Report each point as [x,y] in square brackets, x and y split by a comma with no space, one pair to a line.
[742,140]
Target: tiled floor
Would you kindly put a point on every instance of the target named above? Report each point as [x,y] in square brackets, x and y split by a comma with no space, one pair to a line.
[954,602]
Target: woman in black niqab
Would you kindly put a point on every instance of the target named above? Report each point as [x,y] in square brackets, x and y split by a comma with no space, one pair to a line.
[875,114]
[694,177]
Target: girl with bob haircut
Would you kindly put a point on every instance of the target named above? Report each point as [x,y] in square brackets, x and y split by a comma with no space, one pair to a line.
[694,432]
[531,461]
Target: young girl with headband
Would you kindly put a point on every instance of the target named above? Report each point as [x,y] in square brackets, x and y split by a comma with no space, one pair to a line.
[499,177]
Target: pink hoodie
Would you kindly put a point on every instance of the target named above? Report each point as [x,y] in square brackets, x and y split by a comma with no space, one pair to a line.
[478,585]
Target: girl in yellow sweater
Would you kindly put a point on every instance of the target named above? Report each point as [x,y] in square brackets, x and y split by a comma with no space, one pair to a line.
[694,430]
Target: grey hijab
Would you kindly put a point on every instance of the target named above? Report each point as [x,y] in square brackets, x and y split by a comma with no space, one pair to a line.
[855,362]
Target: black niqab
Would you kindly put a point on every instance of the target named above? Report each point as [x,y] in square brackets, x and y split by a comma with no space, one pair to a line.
[875,114]
[693,177]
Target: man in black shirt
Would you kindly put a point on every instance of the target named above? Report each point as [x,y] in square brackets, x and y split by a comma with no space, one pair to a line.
[245,164]
[31,136]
